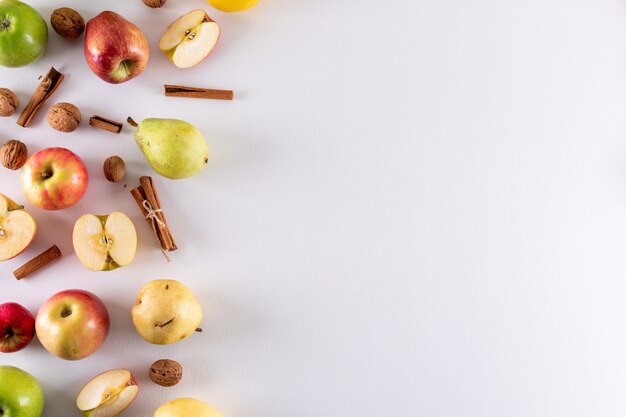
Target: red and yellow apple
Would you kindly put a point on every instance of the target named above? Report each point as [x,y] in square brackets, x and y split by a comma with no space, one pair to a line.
[115,49]
[108,394]
[17,327]
[17,228]
[72,324]
[54,178]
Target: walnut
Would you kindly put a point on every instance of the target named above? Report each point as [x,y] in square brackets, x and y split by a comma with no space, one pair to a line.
[64,117]
[166,372]
[67,22]
[155,4]
[8,102]
[13,154]
[114,169]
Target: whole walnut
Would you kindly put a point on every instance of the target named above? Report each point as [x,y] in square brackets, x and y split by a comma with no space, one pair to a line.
[155,4]
[8,102]
[64,117]
[166,372]
[13,154]
[67,22]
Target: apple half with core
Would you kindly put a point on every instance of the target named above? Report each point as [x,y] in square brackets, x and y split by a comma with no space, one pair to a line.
[190,38]
[105,243]
[108,394]
[183,407]
[23,34]
[17,228]
[166,312]
[72,324]
[17,328]
[54,178]
[115,49]
[20,393]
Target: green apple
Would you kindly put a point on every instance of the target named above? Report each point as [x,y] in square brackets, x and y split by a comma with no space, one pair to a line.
[182,407]
[23,34]
[20,393]
[166,312]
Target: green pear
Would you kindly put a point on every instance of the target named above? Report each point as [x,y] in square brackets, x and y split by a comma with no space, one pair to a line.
[174,148]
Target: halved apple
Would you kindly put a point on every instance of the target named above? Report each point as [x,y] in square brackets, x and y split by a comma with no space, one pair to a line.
[108,394]
[17,228]
[105,243]
[190,38]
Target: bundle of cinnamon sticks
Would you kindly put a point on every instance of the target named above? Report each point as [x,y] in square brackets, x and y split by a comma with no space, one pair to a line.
[147,199]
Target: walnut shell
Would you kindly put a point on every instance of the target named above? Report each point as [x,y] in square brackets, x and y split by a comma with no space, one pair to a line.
[166,372]
[155,4]
[114,169]
[13,154]
[64,117]
[8,102]
[67,22]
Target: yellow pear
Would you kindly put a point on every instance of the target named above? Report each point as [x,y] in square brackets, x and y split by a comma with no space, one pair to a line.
[166,312]
[183,407]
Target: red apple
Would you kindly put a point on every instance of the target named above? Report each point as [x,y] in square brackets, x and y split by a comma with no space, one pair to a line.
[116,50]
[54,178]
[72,324]
[17,327]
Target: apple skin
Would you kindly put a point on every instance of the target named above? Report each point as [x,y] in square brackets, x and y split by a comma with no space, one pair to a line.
[54,178]
[20,393]
[17,327]
[23,34]
[72,324]
[115,49]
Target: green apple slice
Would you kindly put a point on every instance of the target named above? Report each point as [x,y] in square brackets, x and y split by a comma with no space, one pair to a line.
[17,228]
[108,394]
[105,243]
[190,38]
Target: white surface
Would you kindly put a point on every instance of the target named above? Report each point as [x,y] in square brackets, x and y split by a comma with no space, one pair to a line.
[413,208]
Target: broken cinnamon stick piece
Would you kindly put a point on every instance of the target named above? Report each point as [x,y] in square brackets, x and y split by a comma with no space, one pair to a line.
[106,124]
[193,92]
[44,90]
[37,262]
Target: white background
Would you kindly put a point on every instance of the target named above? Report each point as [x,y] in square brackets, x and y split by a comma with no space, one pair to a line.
[412,208]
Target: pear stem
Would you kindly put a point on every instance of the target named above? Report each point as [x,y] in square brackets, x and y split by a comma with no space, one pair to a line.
[199,330]
[131,122]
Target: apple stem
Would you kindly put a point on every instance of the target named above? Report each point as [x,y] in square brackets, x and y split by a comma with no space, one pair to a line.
[198,329]
[131,122]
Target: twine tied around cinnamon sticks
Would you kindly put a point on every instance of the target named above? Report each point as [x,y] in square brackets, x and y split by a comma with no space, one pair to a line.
[147,200]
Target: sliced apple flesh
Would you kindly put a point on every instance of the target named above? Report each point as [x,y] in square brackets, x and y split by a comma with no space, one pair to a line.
[190,38]
[17,228]
[108,394]
[105,243]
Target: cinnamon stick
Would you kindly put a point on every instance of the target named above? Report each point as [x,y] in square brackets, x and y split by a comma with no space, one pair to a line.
[194,92]
[37,262]
[148,188]
[146,198]
[44,90]
[158,202]
[106,124]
